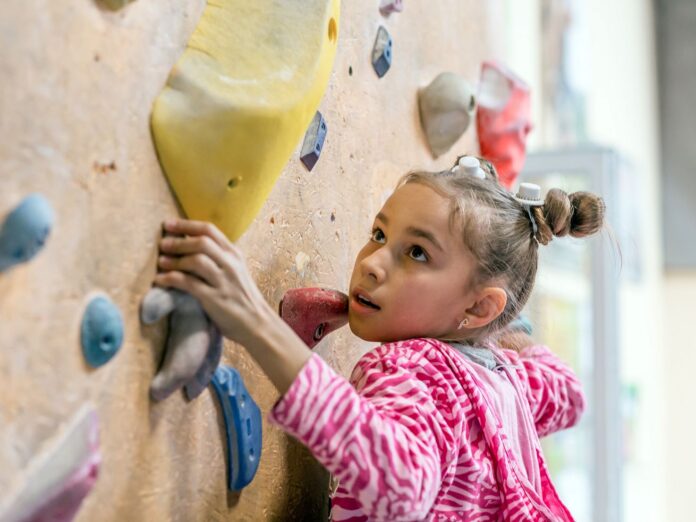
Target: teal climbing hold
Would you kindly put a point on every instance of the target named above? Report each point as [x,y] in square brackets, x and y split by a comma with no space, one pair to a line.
[25,230]
[101,332]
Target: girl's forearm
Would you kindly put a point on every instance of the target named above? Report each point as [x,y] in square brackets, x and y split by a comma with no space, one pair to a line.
[277,349]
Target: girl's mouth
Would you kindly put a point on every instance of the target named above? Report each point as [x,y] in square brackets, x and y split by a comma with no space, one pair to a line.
[361,303]
[366,302]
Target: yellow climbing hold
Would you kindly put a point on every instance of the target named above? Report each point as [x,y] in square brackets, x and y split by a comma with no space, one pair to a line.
[239,100]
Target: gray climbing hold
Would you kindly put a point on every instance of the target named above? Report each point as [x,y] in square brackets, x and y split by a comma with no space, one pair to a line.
[205,373]
[382,52]
[194,344]
[159,302]
[101,332]
[446,108]
[25,231]
[313,141]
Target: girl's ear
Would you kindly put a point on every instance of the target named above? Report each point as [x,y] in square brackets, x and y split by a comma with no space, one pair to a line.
[489,304]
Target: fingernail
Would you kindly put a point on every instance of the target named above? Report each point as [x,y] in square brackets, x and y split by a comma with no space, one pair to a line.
[169,223]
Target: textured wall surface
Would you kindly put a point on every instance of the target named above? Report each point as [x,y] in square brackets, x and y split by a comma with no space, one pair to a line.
[78,84]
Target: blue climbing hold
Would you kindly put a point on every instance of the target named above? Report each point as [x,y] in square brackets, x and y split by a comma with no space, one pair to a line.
[313,141]
[242,424]
[382,52]
[25,230]
[102,331]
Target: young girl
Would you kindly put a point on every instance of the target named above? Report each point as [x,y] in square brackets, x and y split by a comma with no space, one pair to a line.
[439,422]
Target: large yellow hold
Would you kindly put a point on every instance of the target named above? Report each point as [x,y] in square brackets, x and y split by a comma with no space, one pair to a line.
[238,101]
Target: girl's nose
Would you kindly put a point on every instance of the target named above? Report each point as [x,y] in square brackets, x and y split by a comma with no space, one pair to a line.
[374,265]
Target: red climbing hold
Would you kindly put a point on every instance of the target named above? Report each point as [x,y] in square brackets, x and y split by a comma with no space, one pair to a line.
[502,120]
[314,312]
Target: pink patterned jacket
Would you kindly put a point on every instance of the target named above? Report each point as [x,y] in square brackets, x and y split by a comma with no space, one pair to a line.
[423,433]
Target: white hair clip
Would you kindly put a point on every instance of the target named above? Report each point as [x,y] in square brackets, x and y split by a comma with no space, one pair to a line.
[471,167]
[529,194]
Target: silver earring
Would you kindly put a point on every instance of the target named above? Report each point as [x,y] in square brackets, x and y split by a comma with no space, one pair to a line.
[463,323]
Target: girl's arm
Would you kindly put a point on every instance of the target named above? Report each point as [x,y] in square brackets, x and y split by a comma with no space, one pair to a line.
[388,442]
[553,390]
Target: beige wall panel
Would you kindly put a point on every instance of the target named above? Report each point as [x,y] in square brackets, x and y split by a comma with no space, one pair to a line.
[77,88]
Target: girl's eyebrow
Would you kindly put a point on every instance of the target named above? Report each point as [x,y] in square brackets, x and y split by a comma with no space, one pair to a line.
[418,232]
[382,218]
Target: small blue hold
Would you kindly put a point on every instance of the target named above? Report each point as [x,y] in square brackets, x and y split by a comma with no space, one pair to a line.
[102,331]
[242,425]
[313,141]
[382,52]
[25,230]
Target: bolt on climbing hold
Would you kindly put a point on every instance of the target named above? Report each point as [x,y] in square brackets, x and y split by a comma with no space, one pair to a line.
[313,141]
[387,7]
[25,230]
[242,419]
[446,108]
[101,331]
[382,52]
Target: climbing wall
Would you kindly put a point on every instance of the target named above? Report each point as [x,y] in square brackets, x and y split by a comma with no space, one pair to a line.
[79,84]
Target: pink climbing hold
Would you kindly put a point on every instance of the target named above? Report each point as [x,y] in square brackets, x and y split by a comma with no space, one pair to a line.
[65,505]
[314,312]
[387,7]
[58,481]
[503,120]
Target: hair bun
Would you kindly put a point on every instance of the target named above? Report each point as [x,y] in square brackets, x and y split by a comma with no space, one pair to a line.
[579,214]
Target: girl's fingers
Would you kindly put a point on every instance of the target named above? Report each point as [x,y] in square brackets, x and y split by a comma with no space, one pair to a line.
[185,282]
[184,246]
[199,265]
[187,227]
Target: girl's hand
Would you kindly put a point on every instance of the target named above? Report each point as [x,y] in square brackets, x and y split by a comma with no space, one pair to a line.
[197,258]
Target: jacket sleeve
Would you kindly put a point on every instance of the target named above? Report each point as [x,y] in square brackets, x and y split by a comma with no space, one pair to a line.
[386,440]
[553,390]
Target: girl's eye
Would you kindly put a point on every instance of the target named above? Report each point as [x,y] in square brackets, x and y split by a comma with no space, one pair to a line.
[417,253]
[378,236]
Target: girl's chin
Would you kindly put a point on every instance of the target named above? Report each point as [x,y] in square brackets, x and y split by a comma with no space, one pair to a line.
[366,334]
[369,334]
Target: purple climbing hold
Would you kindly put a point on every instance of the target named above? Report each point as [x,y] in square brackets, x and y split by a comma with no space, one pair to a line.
[313,141]
[382,52]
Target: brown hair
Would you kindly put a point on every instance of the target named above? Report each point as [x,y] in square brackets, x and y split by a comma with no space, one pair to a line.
[498,231]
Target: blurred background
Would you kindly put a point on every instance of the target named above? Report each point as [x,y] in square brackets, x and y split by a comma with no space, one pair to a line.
[612,84]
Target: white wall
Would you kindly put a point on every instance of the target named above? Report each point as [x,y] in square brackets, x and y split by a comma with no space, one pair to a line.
[680,361]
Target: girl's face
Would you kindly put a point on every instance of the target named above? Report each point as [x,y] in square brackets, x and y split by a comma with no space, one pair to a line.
[414,271]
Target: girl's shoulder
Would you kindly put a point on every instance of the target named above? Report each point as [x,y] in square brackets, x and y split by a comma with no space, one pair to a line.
[413,349]
[422,353]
